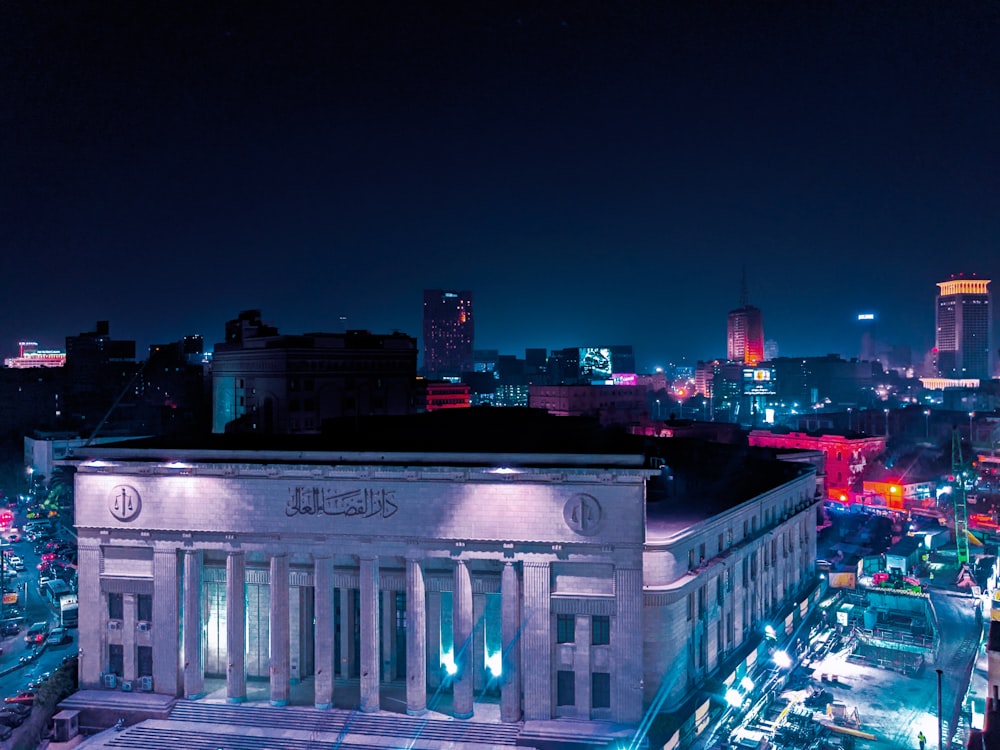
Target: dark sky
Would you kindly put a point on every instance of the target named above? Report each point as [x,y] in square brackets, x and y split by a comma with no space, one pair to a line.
[596,172]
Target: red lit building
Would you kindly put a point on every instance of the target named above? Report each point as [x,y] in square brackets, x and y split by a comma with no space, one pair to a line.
[445,395]
[846,457]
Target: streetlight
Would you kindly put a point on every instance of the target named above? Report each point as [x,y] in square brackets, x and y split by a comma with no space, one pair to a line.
[927,423]
[850,416]
[886,412]
[971,415]
[657,408]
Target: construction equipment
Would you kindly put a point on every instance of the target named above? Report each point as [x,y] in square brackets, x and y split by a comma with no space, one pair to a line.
[960,474]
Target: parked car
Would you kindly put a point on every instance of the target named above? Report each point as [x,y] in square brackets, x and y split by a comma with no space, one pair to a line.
[16,708]
[8,628]
[16,563]
[36,634]
[12,719]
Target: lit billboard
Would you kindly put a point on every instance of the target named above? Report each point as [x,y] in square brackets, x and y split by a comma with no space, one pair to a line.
[595,363]
[758,381]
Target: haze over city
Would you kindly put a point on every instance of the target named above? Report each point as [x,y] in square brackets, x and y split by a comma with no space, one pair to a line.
[596,174]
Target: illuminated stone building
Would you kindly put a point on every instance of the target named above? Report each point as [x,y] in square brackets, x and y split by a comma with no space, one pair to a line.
[622,574]
[964,322]
[449,329]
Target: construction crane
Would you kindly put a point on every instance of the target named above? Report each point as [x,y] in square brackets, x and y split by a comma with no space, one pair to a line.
[960,476]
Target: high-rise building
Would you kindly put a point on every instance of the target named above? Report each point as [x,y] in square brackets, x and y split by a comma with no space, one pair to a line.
[745,331]
[745,335]
[964,322]
[448,333]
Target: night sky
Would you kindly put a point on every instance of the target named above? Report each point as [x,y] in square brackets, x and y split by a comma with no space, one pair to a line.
[596,172]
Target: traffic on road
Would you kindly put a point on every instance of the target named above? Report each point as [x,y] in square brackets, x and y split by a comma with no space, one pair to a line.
[38,609]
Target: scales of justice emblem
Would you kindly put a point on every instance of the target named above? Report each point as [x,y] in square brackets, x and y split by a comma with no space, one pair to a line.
[582,514]
[124,502]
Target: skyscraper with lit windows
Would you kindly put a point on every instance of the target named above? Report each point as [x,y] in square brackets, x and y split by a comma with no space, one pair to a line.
[964,329]
[745,335]
[448,333]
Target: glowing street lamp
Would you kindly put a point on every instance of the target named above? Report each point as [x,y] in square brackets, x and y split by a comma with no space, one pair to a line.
[971,415]
[927,423]
[886,412]
[850,422]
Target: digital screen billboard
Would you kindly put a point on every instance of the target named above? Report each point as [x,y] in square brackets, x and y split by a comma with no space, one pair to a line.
[595,363]
[758,381]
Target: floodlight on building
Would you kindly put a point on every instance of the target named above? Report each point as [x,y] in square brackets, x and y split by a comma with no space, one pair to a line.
[747,684]
[494,663]
[733,698]
[448,662]
[503,470]
[782,659]
[769,632]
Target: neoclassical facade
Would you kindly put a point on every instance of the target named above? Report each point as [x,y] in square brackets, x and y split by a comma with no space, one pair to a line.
[546,580]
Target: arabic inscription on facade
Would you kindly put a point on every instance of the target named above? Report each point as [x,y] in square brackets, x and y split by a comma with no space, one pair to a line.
[359,503]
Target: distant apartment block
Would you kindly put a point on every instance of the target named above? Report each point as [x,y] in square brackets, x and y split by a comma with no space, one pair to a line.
[449,329]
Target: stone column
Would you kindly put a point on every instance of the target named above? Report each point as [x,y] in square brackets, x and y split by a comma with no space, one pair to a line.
[323,637]
[510,638]
[295,619]
[537,640]
[128,637]
[462,684]
[194,676]
[416,640]
[479,641]
[582,666]
[626,647]
[166,625]
[370,661]
[93,610]
[236,614]
[278,627]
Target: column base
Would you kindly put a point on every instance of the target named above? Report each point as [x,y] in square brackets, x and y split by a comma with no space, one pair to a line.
[464,716]
[323,706]
[279,703]
[369,709]
[195,696]
[241,699]
[416,712]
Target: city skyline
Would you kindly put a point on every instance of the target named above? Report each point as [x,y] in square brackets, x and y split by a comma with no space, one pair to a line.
[593,175]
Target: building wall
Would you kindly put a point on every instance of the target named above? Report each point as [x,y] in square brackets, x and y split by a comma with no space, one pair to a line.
[712,588]
[574,537]
[648,617]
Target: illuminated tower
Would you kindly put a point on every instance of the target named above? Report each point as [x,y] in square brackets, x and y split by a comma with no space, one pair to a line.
[448,333]
[745,331]
[964,329]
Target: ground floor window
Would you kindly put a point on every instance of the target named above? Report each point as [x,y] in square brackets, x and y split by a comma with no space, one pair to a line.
[565,688]
[116,659]
[145,661]
[600,689]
